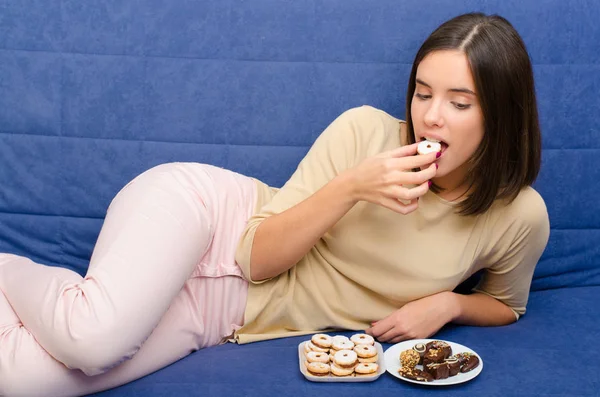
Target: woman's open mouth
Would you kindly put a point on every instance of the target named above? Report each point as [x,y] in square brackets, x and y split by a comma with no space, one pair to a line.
[443,144]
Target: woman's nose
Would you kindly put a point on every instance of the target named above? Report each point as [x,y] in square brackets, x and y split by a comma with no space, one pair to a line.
[433,115]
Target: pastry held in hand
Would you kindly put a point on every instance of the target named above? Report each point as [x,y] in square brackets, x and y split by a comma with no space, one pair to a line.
[429,146]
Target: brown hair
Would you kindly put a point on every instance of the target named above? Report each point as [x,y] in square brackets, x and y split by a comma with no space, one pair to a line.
[509,155]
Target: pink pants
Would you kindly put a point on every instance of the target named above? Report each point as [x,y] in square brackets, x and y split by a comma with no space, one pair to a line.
[162,282]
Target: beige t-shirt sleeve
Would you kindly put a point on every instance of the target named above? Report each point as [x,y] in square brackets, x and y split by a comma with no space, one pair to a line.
[509,278]
[332,152]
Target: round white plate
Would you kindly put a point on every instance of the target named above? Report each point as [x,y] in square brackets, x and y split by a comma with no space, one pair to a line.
[392,362]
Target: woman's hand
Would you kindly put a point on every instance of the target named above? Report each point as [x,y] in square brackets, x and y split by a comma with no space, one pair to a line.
[416,320]
[380,179]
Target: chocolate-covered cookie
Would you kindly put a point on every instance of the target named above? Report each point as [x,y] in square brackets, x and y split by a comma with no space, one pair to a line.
[453,365]
[415,374]
[468,361]
[440,345]
[438,370]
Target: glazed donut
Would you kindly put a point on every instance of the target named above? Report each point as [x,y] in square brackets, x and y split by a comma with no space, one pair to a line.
[345,358]
[342,345]
[321,340]
[318,369]
[366,369]
[339,371]
[317,357]
[365,351]
[362,339]
[427,146]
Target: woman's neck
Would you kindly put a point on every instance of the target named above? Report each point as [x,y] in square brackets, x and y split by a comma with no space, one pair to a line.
[454,186]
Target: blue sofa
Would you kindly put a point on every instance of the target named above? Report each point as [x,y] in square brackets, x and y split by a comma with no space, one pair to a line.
[92,93]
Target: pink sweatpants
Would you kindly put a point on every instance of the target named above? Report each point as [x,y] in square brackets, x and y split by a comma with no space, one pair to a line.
[162,282]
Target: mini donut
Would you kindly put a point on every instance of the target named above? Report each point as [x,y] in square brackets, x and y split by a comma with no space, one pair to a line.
[317,357]
[307,346]
[339,338]
[366,369]
[362,339]
[321,340]
[342,345]
[365,351]
[345,358]
[369,360]
[318,369]
[339,371]
[315,348]
[427,146]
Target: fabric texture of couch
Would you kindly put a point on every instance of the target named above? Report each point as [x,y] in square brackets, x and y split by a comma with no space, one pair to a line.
[92,93]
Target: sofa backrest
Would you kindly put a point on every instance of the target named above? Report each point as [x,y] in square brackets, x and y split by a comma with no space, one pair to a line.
[93,93]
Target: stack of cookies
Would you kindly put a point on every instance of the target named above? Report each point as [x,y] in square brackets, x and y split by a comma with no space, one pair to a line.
[341,356]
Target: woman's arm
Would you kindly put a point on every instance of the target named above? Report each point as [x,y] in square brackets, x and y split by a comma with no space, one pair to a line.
[480,310]
[282,239]
[502,293]
[424,317]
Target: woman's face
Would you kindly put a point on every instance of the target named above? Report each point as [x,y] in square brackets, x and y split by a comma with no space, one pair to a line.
[445,107]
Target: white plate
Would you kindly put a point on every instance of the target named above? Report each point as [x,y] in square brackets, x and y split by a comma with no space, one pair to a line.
[392,362]
[332,378]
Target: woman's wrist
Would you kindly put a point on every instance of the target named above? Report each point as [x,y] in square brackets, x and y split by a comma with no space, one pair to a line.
[346,185]
[451,308]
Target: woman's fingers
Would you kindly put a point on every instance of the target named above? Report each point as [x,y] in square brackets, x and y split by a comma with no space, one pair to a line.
[412,162]
[408,193]
[390,335]
[415,178]
[401,151]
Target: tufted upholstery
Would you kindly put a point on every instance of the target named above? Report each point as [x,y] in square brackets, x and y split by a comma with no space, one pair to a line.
[93,93]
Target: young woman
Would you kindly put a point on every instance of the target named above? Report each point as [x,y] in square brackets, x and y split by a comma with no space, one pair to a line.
[366,235]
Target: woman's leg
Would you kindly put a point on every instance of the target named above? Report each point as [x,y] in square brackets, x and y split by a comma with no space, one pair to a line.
[156,230]
[206,311]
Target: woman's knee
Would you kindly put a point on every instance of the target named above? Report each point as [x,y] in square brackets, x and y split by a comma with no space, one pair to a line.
[95,351]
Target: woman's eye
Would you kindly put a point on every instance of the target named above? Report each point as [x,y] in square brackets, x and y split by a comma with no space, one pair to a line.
[461,106]
[422,96]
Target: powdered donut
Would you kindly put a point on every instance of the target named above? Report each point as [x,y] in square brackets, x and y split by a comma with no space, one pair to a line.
[321,340]
[339,371]
[426,147]
[317,357]
[362,339]
[318,369]
[345,358]
[365,351]
[366,369]
[342,345]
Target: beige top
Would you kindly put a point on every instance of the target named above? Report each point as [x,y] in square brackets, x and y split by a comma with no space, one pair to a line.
[374,260]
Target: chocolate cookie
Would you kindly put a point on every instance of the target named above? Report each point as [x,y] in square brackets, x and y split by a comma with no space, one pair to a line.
[415,374]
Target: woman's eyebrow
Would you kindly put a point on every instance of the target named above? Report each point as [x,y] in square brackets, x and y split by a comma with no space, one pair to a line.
[463,90]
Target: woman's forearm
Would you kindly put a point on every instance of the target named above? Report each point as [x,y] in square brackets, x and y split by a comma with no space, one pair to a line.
[281,240]
[480,310]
